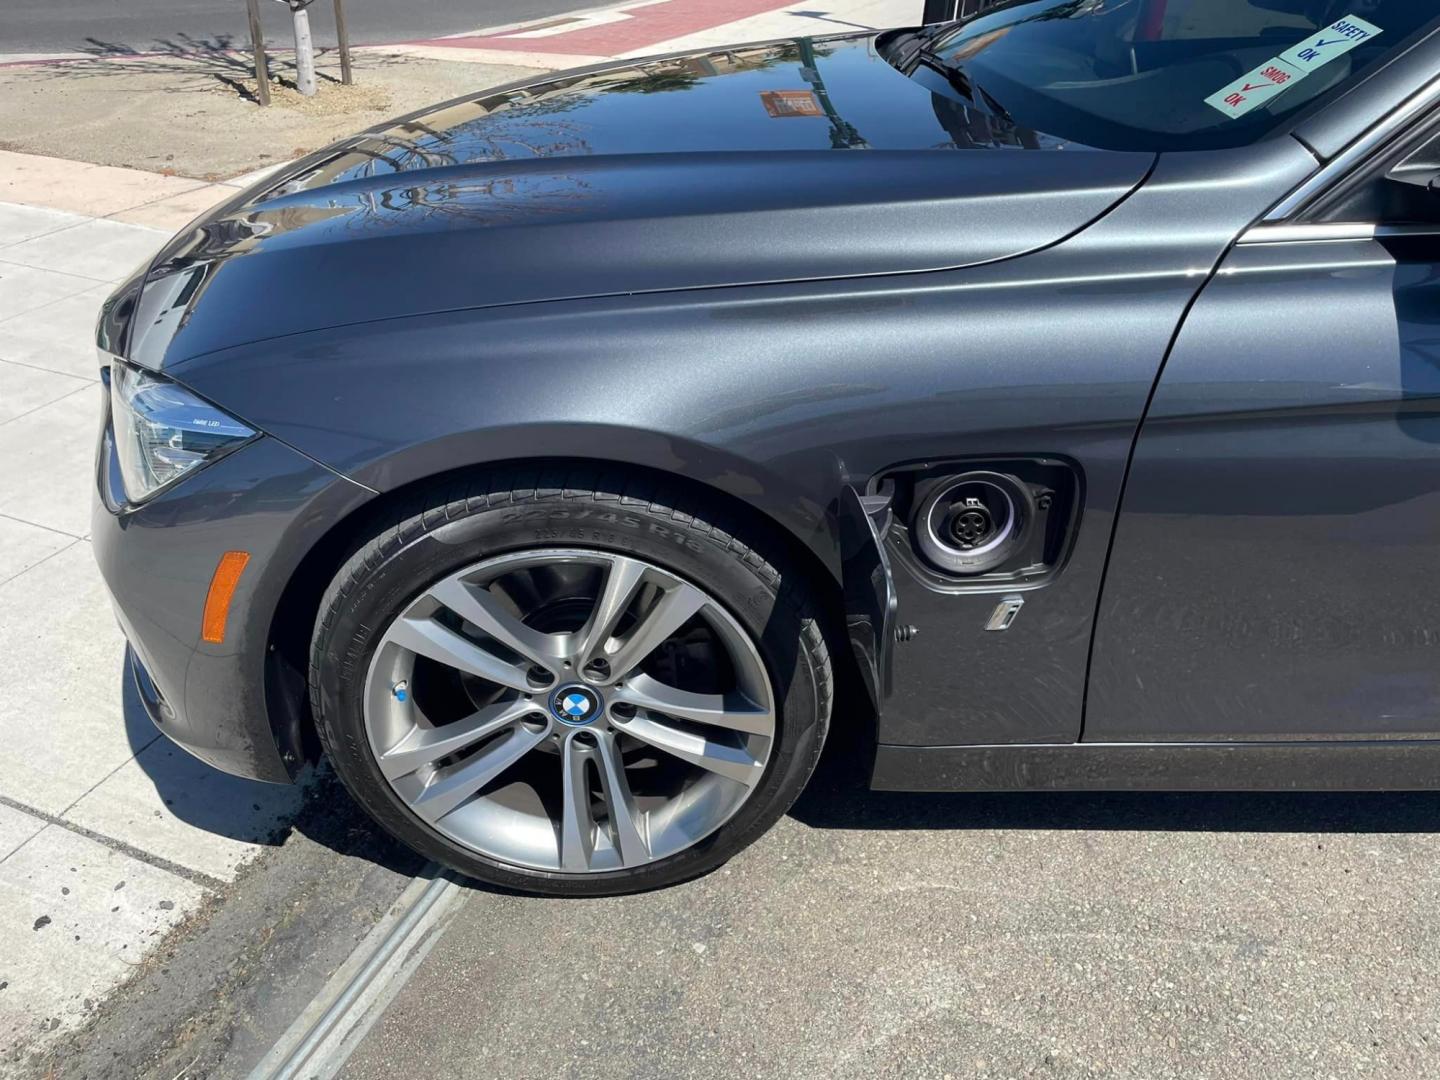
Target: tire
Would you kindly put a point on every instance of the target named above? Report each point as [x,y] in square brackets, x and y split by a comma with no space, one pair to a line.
[576,516]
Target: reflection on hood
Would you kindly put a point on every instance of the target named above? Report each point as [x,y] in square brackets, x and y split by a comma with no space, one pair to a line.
[789,161]
[799,95]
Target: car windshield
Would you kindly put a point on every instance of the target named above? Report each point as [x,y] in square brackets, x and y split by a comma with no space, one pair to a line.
[1166,74]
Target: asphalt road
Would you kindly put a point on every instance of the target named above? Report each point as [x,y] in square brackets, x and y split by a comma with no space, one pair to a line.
[873,935]
[31,26]
[869,935]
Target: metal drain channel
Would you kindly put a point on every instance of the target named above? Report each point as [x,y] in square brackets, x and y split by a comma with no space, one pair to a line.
[324,1035]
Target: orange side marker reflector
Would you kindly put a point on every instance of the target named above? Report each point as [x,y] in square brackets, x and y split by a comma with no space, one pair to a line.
[222,588]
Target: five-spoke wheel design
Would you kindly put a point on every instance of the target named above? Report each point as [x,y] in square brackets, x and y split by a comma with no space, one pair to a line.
[569,710]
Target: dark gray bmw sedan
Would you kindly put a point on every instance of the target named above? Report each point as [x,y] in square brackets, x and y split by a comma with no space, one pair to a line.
[1055,394]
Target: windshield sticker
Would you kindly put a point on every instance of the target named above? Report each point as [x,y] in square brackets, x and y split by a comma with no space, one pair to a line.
[1254,89]
[1335,40]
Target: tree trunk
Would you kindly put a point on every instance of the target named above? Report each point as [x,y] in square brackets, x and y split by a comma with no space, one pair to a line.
[342,40]
[304,51]
[257,44]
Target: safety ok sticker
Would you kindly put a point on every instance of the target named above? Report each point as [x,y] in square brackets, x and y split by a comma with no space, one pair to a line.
[1272,77]
[1335,40]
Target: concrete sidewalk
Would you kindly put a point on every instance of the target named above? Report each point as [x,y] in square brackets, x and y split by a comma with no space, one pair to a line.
[109,836]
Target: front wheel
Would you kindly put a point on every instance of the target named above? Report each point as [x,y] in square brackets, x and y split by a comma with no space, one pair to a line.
[577,690]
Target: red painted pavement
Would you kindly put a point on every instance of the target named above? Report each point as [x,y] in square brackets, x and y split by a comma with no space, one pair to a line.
[645,26]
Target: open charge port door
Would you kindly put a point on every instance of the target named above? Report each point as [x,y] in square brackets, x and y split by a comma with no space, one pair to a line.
[869,590]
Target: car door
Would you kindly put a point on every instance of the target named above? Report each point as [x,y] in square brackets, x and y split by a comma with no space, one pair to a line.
[1275,573]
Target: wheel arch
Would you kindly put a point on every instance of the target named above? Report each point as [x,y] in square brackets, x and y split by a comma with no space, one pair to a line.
[293,621]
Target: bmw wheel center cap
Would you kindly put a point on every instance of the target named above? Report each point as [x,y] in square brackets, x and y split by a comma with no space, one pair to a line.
[575,705]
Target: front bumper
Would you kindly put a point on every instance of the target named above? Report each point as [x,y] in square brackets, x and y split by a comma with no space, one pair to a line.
[225,703]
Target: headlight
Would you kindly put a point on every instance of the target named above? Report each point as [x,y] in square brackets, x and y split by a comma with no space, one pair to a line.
[163,432]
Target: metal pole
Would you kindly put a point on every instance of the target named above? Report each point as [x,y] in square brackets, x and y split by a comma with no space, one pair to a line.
[257,43]
[343,37]
[843,134]
[304,49]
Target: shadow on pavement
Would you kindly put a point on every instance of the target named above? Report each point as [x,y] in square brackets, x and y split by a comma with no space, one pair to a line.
[838,797]
[191,64]
[203,797]
[826,17]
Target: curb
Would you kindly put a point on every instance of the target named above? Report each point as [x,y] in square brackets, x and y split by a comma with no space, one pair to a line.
[329,1029]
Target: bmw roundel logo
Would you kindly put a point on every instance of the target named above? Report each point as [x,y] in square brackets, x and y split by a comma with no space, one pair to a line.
[575,705]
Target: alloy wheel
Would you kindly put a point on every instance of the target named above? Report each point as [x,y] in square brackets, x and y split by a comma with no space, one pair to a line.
[569,710]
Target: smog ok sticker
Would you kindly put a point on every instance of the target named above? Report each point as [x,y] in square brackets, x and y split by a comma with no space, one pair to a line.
[1253,90]
[1270,78]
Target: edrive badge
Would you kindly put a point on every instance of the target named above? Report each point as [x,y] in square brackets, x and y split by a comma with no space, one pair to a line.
[575,705]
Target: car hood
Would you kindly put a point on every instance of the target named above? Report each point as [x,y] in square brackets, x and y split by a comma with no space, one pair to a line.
[785,161]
